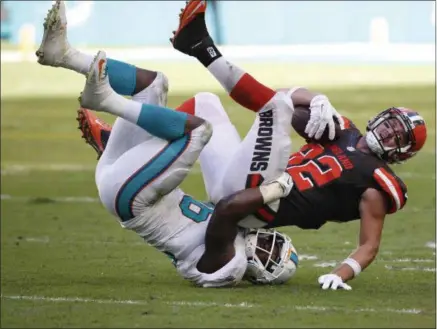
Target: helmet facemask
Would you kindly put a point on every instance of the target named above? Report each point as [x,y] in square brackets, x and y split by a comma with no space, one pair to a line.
[390,136]
[272,258]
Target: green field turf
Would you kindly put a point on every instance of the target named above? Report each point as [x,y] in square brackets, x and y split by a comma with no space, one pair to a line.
[67,263]
[26,79]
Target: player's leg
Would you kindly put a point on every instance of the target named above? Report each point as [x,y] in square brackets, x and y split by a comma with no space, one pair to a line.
[158,121]
[125,134]
[214,157]
[192,38]
[143,85]
[56,51]
[222,146]
[143,174]
[264,151]
[261,157]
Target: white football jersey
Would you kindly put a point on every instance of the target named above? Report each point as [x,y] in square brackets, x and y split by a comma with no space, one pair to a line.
[176,225]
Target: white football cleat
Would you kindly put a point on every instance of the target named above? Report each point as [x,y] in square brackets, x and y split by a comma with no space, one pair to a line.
[97,92]
[54,45]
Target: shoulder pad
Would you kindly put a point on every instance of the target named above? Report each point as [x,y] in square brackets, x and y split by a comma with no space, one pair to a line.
[394,188]
[346,124]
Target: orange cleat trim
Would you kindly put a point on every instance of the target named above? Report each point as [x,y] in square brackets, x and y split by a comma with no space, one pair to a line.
[91,127]
[193,8]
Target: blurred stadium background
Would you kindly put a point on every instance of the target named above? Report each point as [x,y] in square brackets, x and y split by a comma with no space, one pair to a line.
[281,42]
[64,263]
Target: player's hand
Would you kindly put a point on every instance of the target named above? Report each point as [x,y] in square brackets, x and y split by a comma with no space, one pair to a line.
[286,183]
[333,281]
[322,115]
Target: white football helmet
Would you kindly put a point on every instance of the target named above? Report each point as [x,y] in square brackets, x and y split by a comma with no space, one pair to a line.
[271,257]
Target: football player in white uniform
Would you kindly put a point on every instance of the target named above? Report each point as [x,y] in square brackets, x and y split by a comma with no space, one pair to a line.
[150,152]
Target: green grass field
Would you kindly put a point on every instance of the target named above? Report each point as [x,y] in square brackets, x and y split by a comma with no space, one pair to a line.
[67,263]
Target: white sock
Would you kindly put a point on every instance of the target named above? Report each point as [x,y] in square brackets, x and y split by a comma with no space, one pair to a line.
[154,93]
[226,73]
[77,61]
[120,106]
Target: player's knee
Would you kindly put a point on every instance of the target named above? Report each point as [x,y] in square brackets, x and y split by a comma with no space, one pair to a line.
[209,107]
[162,81]
[208,97]
[155,93]
[204,132]
[161,87]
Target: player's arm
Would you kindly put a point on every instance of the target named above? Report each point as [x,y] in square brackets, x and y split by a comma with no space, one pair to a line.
[300,96]
[322,113]
[192,38]
[223,226]
[372,211]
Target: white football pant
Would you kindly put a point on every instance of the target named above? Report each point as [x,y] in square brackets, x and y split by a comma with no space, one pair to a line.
[230,164]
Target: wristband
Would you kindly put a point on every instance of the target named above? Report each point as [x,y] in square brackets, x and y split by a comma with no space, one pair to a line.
[356,267]
[271,192]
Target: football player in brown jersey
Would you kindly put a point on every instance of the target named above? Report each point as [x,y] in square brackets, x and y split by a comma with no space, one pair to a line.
[341,179]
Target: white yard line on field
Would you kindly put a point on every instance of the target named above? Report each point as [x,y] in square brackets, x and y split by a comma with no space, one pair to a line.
[416,268]
[307,257]
[16,169]
[24,168]
[68,199]
[125,302]
[312,308]
[47,240]
[430,244]
[303,258]
[326,264]
[390,267]
[88,199]
[409,260]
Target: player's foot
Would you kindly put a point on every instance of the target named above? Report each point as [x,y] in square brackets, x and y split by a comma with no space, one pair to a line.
[54,45]
[97,91]
[192,32]
[95,131]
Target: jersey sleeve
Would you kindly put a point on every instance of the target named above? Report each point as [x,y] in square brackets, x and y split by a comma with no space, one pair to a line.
[394,189]
[347,124]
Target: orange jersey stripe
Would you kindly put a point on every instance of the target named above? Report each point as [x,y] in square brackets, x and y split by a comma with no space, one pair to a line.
[391,186]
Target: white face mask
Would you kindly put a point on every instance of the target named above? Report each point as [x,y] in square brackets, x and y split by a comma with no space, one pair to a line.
[387,136]
[373,144]
[274,271]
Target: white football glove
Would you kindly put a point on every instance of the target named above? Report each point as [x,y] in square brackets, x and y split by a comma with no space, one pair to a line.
[286,183]
[322,114]
[333,281]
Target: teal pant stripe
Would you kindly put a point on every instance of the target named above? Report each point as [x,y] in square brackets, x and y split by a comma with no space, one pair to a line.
[146,174]
[122,77]
[162,122]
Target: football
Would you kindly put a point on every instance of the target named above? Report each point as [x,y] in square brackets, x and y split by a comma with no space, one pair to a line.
[300,119]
